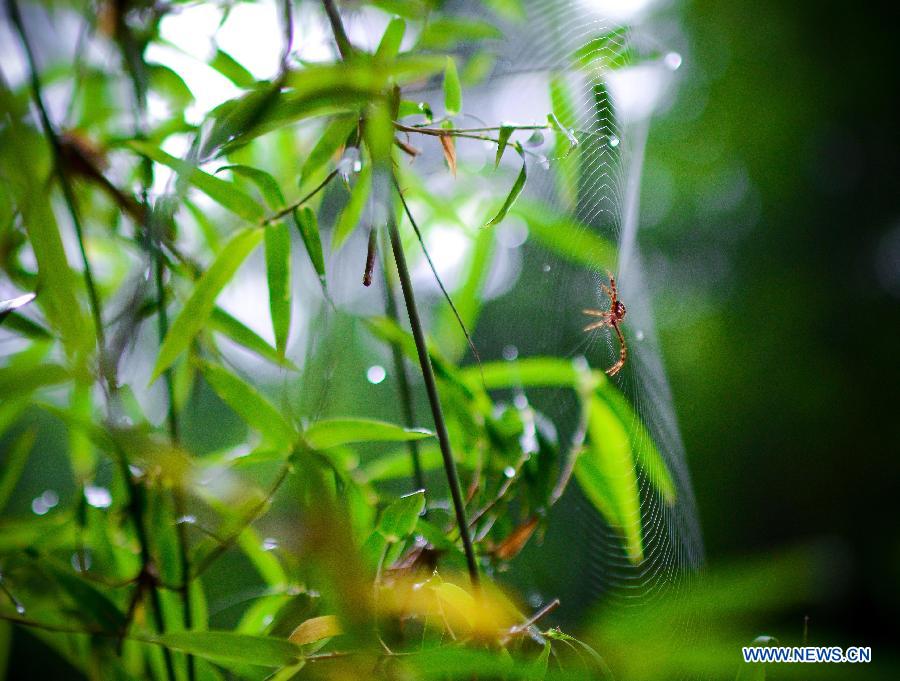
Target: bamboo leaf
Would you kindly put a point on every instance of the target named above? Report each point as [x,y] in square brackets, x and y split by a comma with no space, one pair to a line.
[352,212]
[233,70]
[14,463]
[199,306]
[448,146]
[226,194]
[389,47]
[452,89]
[249,404]
[315,629]
[278,277]
[224,323]
[226,646]
[502,141]
[517,188]
[13,304]
[573,240]
[16,381]
[332,139]
[267,185]
[399,519]
[308,226]
[334,432]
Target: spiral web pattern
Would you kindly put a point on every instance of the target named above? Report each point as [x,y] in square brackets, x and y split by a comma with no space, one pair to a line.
[611,155]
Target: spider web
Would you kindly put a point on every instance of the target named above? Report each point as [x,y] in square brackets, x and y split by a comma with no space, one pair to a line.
[611,114]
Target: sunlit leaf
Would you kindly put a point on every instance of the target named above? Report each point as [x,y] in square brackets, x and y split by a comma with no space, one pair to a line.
[13,304]
[233,70]
[199,306]
[389,47]
[333,432]
[224,193]
[315,629]
[249,404]
[452,89]
[399,519]
[502,141]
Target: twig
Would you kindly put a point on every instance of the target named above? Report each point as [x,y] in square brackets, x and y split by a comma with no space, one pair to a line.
[275,217]
[337,27]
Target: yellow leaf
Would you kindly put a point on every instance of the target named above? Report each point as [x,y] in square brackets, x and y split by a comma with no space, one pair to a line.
[316,629]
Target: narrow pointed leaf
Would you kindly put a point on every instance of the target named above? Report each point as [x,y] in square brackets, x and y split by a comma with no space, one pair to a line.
[199,306]
[502,139]
[517,188]
[249,404]
[332,139]
[227,325]
[308,226]
[333,432]
[389,47]
[14,463]
[267,185]
[352,212]
[226,194]
[226,646]
[233,70]
[278,277]
[452,89]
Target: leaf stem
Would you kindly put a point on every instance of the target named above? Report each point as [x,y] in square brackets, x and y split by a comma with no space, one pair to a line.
[275,217]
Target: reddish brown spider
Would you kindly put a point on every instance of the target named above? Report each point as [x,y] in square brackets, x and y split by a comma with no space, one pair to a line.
[611,318]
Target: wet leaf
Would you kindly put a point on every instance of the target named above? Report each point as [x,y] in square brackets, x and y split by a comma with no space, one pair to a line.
[399,519]
[517,188]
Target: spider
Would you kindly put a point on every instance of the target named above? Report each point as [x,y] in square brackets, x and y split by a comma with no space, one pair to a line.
[612,318]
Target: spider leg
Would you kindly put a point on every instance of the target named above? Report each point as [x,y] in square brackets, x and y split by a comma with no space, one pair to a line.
[596,313]
[597,325]
[608,291]
[623,352]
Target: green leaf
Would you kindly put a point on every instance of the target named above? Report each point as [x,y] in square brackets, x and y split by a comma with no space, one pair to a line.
[308,226]
[267,185]
[389,47]
[170,85]
[608,49]
[605,471]
[224,193]
[199,306]
[399,519]
[249,404]
[452,89]
[445,32]
[222,322]
[14,463]
[350,216]
[517,188]
[92,603]
[239,119]
[502,140]
[561,101]
[333,138]
[16,381]
[278,277]
[226,646]
[532,372]
[334,432]
[233,70]
[397,464]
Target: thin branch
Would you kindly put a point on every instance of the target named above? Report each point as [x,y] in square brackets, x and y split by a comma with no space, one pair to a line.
[337,27]
[275,217]
[437,413]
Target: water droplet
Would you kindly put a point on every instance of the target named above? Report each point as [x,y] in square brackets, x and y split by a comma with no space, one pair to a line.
[136,471]
[509,472]
[672,60]
[348,162]
[510,352]
[535,600]
[98,497]
[544,162]
[375,374]
[269,544]
[639,335]
[613,141]
[81,561]
[38,507]
[546,267]
[186,520]
[20,608]
[50,498]
[268,619]
[520,401]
